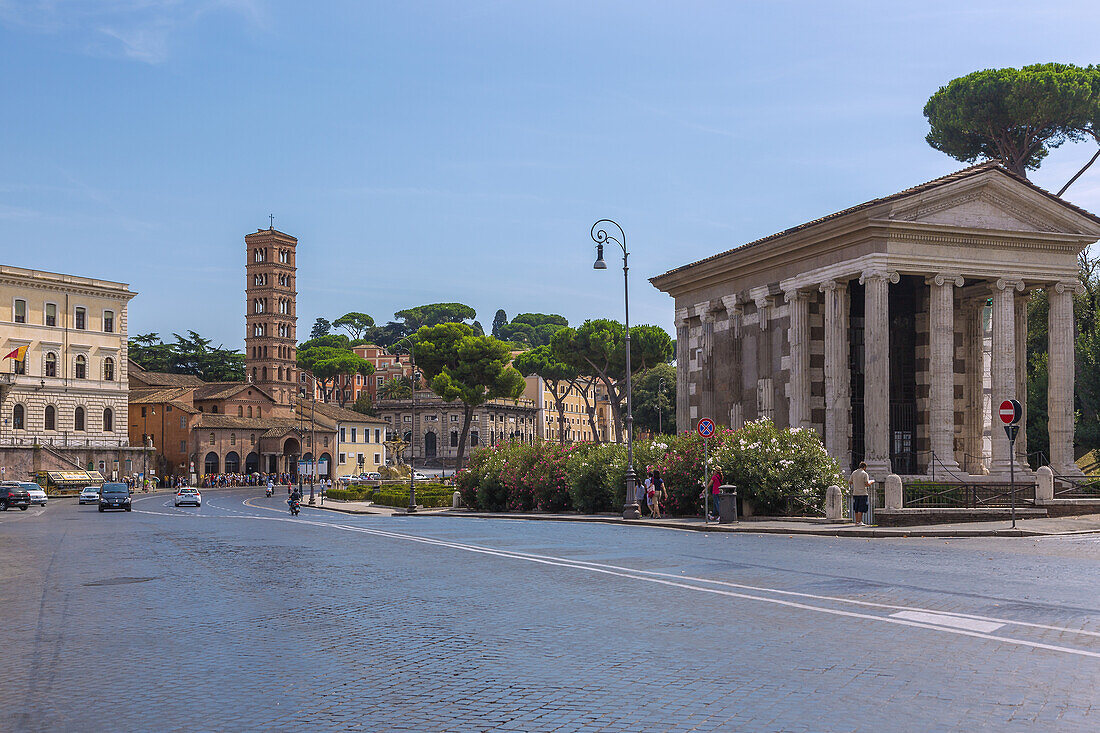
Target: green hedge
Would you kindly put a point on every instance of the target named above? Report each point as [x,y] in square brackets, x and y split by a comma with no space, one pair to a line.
[428,495]
[352,493]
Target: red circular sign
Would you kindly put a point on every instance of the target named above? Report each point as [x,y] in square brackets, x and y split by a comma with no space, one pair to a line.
[1007,412]
[706,427]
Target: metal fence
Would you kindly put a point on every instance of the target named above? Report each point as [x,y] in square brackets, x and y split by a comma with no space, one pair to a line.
[931,495]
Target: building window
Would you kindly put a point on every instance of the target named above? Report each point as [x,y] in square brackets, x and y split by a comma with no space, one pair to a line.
[343,435]
[353,440]
[240,411]
[18,417]
[78,418]
[342,461]
[454,418]
[21,366]
[51,314]
[250,410]
[183,446]
[454,438]
[183,423]
[408,418]
[80,318]
[20,311]
[473,438]
[108,322]
[81,367]
[258,411]
[381,381]
[109,371]
[232,439]
[214,409]
[377,435]
[51,417]
[252,439]
[211,439]
[108,421]
[377,459]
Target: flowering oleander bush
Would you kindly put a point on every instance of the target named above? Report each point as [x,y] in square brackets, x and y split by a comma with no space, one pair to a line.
[779,471]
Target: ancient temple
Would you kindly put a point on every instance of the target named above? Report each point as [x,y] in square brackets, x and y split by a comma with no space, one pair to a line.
[867,325]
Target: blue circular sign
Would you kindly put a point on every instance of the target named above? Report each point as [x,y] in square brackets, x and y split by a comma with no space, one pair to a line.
[706,427]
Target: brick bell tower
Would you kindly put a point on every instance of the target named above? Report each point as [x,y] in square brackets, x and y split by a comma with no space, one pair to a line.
[271,315]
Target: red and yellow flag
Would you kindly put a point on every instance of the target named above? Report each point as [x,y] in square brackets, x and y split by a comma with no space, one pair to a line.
[19,354]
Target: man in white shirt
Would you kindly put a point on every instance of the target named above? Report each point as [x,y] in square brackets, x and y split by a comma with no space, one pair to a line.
[860,483]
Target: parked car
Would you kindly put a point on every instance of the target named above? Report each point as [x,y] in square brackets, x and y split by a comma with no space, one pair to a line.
[188,495]
[89,495]
[417,476]
[114,496]
[374,476]
[12,494]
[38,494]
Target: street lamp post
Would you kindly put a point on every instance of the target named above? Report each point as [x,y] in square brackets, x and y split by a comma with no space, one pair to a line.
[600,236]
[412,433]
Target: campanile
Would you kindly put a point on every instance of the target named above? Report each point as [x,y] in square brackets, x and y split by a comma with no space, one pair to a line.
[271,314]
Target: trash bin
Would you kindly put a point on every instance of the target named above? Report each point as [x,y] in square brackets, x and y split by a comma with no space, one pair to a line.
[727,504]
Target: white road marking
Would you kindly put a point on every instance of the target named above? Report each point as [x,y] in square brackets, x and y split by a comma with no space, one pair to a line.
[941,619]
[651,577]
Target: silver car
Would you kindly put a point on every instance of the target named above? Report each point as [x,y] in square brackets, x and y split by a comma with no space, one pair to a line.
[188,495]
[89,495]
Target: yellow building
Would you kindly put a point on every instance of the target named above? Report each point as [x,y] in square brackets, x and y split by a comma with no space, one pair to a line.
[577,401]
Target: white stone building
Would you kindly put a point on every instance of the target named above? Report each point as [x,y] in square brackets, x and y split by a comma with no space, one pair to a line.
[68,394]
[867,325]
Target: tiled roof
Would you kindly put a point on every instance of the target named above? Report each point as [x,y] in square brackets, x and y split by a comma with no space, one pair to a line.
[157,395]
[217,420]
[958,175]
[165,379]
[225,390]
[340,414]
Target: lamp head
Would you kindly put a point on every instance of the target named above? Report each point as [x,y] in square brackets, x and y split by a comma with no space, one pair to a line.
[599,264]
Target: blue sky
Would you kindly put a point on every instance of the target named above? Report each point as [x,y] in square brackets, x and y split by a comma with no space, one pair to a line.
[460,151]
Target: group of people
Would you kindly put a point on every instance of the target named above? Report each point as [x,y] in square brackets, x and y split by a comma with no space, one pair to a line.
[651,493]
[221,480]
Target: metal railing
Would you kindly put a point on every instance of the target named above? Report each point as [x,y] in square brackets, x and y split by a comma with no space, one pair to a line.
[936,495]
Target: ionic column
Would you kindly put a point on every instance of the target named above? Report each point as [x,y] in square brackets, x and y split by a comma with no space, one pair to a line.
[1060,373]
[1021,374]
[1003,366]
[941,347]
[798,336]
[973,336]
[876,390]
[838,392]
[736,385]
[764,384]
[706,359]
[683,351]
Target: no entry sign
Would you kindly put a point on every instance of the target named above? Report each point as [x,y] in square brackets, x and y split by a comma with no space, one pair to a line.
[1010,411]
[706,427]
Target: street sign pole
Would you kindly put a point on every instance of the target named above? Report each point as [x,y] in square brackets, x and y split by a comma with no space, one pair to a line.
[1010,413]
[706,429]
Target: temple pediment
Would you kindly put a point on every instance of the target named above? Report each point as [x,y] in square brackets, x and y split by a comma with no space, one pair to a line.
[980,210]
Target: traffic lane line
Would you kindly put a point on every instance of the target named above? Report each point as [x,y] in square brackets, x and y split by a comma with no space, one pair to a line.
[796,594]
[632,574]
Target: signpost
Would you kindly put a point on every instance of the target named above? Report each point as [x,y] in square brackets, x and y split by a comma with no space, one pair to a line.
[706,429]
[1010,412]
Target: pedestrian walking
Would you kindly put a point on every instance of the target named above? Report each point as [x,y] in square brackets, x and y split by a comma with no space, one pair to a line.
[715,490]
[653,497]
[860,483]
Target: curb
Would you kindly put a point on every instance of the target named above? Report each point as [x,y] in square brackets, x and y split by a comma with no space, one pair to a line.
[747,528]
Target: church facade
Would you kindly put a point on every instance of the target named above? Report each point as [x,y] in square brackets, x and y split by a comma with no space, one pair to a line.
[867,326]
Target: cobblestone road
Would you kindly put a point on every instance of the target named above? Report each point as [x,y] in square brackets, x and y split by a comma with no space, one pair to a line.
[237,617]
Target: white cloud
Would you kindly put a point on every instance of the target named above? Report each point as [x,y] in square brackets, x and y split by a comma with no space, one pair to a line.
[142,30]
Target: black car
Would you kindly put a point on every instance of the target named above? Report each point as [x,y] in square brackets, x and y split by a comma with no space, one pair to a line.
[14,495]
[114,496]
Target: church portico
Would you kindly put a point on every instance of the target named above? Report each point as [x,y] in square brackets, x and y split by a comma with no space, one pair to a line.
[891,327]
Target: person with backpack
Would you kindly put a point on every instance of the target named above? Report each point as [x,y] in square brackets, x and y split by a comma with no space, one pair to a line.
[715,490]
[652,496]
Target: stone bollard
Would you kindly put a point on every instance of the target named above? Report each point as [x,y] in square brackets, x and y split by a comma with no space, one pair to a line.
[456,500]
[1044,484]
[834,503]
[893,491]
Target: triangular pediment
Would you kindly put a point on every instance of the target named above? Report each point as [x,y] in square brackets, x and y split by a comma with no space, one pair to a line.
[992,202]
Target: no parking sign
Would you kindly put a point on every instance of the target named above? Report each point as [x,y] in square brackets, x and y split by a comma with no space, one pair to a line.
[706,427]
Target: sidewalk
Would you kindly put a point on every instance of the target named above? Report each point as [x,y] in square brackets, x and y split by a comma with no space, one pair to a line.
[795,526]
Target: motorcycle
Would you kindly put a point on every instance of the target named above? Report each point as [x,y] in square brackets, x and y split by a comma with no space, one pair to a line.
[269,491]
[295,506]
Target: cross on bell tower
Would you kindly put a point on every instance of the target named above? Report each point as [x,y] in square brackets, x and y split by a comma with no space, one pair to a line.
[271,314]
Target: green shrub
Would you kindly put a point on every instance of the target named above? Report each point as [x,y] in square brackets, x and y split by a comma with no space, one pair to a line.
[352,493]
[427,496]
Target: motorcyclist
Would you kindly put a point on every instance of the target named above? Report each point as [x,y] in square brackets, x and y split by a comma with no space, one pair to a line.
[270,487]
[295,497]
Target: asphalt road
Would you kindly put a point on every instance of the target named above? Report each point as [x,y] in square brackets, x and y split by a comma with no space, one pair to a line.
[236,616]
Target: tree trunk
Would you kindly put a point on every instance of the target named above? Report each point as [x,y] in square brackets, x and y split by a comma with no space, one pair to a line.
[615,398]
[467,418]
[590,408]
[1083,169]
[561,418]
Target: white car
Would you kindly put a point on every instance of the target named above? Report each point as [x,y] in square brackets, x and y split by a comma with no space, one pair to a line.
[188,495]
[38,494]
[89,495]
